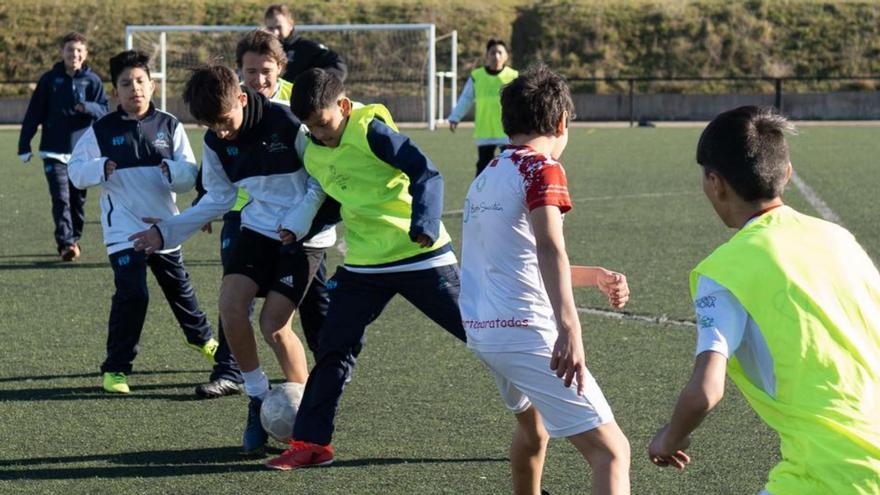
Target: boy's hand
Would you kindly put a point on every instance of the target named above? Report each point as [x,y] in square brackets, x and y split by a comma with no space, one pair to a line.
[164,168]
[207,228]
[453,125]
[424,240]
[568,359]
[287,236]
[109,168]
[26,157]
[614,286]
[665,451]
[149,240]
[79,107]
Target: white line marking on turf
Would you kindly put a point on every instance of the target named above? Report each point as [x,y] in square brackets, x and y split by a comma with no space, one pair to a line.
[815,201]
[607,198]
[657,320]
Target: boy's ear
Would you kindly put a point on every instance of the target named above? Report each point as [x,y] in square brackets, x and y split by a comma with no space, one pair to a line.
[345,105]
[152,85]
[789,172]
[242,98]
[717,184]
[114,93]
[562,124]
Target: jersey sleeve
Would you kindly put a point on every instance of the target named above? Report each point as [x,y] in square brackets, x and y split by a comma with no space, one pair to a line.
[545,185]
[721,319]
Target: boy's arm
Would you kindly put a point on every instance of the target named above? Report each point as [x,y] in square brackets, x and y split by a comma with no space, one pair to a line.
[426,182]
[568,353]
[612,284]
[464,104]
[220,197]
[182,169]
[86,166]
[97,108]
[298,220]
[33,117]
[702,393]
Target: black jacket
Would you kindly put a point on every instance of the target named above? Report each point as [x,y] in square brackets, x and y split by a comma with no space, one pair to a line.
[303,54]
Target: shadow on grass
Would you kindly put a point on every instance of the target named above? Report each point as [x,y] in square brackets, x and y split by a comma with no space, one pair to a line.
[67,265]
[36,255]
[92,374]
[161,463]
[95,392]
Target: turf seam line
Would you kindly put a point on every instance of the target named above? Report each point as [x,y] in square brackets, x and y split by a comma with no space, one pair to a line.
[815,201]
[657,320]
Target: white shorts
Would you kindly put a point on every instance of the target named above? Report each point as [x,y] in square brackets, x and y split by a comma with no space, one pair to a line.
[525,378]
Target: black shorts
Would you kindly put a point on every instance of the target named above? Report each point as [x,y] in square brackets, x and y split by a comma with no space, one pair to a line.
[261,259]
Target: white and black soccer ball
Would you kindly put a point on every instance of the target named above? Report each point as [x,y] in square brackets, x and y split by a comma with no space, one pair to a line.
[279,408]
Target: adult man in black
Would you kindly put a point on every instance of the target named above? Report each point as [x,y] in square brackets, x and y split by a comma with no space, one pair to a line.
[302,54]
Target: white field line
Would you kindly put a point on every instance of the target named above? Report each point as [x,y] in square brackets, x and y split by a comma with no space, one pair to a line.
[815,201]
[448,213]
[657,320]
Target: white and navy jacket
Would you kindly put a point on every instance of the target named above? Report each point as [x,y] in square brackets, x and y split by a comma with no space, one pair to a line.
[137,188]
[266,161]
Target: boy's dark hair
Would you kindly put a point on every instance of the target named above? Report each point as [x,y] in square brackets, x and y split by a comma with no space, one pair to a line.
[747,147]
[261,42]
[74,36]
[278,8]
[316,89]
[494,42]
[210,92]
[126,60]
[534,102]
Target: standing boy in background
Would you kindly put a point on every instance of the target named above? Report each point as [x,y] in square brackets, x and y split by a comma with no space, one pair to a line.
[516,292]
[140,157]
[302,54]
[790,308]
[67,100]
[483,88]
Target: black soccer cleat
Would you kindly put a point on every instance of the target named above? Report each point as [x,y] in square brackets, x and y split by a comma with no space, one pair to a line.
[220,387]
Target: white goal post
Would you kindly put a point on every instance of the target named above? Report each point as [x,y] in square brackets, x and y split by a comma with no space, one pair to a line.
[414,54]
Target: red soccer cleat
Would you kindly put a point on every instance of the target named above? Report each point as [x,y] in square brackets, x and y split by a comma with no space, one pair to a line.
[302,454]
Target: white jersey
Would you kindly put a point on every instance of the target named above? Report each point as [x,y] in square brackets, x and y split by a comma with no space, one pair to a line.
[504,305]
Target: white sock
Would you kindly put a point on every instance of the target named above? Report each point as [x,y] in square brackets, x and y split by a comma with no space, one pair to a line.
[256,384]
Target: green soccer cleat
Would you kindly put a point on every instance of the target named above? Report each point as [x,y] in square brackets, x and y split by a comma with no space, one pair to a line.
[116,383]
[208,349]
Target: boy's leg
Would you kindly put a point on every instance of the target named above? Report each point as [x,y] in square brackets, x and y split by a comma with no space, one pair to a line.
[607,450]
[355,301]
[236,294]
[527,452]
[59,190]
[313,309]
[485,154]
[434,291]
[181,296]
[127,310]
[77,211]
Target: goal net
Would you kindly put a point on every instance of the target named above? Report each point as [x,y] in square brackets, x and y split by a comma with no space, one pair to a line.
[393,64]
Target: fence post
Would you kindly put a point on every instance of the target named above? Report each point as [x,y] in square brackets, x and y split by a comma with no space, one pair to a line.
[778,103]
[632,102]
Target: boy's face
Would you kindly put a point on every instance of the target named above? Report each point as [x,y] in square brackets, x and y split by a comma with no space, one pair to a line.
[496,57]
[260,73]
[279,25]
[74,55]
[229,124]
[134,89]
[328,124]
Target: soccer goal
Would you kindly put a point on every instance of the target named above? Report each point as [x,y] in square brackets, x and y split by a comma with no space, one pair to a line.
[393,64]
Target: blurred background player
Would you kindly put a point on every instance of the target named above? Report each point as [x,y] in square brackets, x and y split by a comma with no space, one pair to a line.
[260,60]
[391,198]
[302,54]
[789,307]
[483,89]
[140,157]
[516,292]
[66,101]
[257,145]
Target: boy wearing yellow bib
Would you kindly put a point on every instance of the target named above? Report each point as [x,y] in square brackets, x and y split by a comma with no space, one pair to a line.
[391,198]
[790,308]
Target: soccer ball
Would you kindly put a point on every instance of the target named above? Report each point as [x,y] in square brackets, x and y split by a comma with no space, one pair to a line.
[279,408]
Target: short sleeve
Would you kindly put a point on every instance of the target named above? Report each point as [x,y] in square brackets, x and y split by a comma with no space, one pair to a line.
[545,185]
[721,319]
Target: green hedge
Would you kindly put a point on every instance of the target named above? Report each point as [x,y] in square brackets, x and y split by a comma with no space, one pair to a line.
[581,38]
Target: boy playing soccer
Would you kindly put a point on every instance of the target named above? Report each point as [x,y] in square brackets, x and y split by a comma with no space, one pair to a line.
[790,308]
[256,145]
[516,291]
[67,100]
[260,59]
[392,198]
[140,157]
